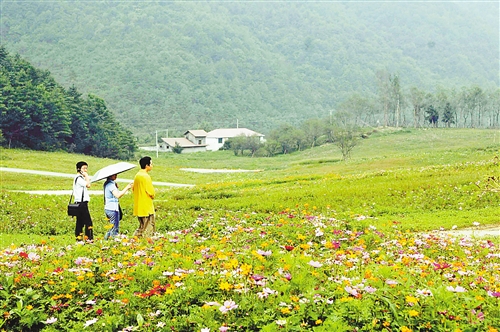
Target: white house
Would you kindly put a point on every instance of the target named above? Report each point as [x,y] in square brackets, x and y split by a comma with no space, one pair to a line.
[215,139]
[193,141]
[200,140]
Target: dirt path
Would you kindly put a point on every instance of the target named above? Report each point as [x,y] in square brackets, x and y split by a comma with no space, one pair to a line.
[66,175]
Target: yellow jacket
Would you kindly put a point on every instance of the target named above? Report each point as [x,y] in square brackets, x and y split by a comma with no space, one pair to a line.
[144,193]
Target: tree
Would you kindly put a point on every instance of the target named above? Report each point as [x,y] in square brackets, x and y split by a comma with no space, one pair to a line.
[417,101]
[346,138]
[313,129]
[432,115]
[289,137]
[448,115]
[177,148]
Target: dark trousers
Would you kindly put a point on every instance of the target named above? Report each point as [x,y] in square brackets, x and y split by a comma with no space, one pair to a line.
[84,224]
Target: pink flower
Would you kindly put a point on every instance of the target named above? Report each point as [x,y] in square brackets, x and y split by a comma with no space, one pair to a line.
[370,289]
[227,306]
[264,253]
[257,277]
[494,294]
[351,291]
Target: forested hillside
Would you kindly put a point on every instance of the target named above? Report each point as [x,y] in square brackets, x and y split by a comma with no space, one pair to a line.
[38,113]
[189,65]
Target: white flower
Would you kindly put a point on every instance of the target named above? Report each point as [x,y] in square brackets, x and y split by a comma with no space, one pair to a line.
[51,320]
[90,322]
[205,329]
[457,289]
[315,264]
[281,322]
[424,292]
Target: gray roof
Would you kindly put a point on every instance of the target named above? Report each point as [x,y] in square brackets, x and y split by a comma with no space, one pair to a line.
[197,132]
[183,142]
[233,132]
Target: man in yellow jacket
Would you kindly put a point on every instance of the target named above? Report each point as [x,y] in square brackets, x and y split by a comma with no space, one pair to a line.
[144,193]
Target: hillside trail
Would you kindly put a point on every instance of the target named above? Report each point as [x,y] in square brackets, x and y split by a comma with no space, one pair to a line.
[66,175]
[479,231]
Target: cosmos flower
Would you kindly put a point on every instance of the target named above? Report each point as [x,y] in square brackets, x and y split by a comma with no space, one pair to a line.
[90,322]
[264,253]
[51,320]
[227,306]
[315,263]
[458,289]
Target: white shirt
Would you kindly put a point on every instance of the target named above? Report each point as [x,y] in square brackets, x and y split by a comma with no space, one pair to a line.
[78,186]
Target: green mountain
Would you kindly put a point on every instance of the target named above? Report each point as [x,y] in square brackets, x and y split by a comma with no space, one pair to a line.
[187,65]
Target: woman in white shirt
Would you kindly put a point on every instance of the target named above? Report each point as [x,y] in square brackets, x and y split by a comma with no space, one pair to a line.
[81,184]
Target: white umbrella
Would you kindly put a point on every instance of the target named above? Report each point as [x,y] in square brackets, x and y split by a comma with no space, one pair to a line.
[117,168]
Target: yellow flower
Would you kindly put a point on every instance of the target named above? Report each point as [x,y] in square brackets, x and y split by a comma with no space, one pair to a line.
[305,246]
[285,311]
[120,292]
[29,307]
[318,322]
[492,329]
[405,329]
[246,269]
[411,299]
[225,286]
[413,313]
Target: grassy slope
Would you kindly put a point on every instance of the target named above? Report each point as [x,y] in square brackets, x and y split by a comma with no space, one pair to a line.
[419,179]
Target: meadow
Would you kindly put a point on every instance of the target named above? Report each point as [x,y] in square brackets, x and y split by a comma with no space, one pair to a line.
[307,242]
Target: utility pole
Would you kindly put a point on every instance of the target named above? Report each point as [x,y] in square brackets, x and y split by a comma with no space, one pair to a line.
[156,140]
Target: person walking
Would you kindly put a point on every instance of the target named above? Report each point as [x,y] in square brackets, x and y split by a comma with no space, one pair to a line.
[112,208]
[81,183]
[144,193]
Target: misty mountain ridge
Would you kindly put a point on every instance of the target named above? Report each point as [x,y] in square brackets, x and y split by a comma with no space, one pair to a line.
[189,65]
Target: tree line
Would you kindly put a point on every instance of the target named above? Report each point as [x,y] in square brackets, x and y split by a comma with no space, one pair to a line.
[392,106]
[37,113]
[396,106]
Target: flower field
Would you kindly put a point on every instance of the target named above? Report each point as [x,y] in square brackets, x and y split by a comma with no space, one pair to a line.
[296,270]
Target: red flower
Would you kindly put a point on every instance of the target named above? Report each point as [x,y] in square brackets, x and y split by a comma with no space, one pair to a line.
[289,248]
[23,255]
[438,266]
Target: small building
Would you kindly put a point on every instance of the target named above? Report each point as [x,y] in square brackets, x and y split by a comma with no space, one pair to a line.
[168,144]
[196,136]
[215,139]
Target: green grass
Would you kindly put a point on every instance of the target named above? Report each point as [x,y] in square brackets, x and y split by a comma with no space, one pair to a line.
[419,179]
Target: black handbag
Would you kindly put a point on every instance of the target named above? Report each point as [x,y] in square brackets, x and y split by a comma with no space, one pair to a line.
[74,208]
